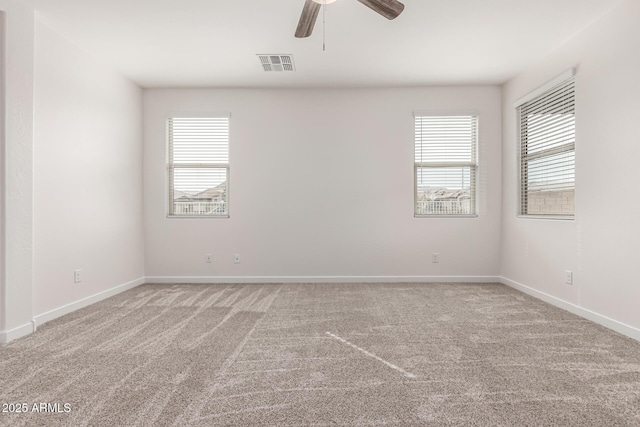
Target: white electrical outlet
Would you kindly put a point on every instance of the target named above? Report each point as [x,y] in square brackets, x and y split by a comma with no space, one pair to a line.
[435,258]
[568,277]
[209,259]
[77,276]
[236,259]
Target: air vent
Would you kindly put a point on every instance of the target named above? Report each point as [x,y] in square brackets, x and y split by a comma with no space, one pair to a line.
[277,62]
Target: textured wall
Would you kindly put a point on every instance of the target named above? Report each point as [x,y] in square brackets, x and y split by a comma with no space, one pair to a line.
[2,172]
[18,156]
[601,245]
[322,185]
[88,175]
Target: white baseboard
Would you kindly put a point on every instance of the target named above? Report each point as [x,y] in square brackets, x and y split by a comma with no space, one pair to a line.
[321,279]
[15,333]
[26,329]
[66,309]
[605,321]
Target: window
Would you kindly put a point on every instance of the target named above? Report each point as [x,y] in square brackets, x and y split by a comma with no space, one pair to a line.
[547,152]
[445,165]
[198,167]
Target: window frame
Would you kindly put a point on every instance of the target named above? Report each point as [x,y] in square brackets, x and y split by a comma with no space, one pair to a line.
[536,95]
[474,165]
[169,167]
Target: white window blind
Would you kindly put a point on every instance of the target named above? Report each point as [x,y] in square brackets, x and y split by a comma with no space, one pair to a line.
[198,166]
[547,152]
[445,165]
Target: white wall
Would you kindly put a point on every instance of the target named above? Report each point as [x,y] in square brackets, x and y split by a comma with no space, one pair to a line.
[601,245]
[2,177]
[88,175]
[16,141]
[2,184]
[322,185]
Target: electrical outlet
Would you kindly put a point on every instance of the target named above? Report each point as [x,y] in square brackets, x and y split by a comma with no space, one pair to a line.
[236,259]
[568,277]
[435,258]
[209,259]
[77,276]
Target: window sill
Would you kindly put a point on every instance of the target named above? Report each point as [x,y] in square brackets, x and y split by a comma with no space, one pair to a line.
[445,216]
[197,216]
[551,217]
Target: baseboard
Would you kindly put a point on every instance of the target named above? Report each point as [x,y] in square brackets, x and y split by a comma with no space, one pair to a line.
[15,333]
[26,329]
[321,279]
[605,321]
[66,309]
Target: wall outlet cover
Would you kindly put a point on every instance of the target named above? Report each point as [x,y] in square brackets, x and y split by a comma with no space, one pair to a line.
[568,277]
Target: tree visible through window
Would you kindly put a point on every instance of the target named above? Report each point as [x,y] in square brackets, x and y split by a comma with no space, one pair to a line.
[198,166]
[445,165]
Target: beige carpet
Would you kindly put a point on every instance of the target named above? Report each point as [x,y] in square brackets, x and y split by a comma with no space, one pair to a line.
[322,354]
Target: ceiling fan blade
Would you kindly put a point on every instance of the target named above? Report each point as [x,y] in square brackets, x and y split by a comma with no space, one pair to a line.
[390,9]
[307,19]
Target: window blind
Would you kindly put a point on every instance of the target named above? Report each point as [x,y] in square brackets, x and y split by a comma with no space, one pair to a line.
[198,166]
[445,165]
[547,152]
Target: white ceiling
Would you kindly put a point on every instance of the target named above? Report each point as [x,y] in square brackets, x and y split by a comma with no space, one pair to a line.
[213,43]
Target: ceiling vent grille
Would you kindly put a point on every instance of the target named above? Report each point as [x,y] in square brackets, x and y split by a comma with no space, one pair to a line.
[277,62]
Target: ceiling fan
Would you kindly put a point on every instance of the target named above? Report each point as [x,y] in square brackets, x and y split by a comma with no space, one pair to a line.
[390,9]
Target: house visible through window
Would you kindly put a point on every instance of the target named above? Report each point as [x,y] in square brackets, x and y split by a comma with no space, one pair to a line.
[547,152]
[198,166]
[445,165]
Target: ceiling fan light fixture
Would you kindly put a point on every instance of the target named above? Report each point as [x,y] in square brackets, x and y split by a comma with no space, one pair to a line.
[324,1]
